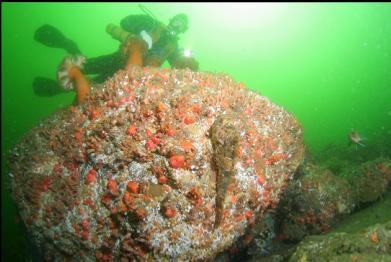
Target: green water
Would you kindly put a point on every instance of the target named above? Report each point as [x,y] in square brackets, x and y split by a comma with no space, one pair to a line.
[328,64]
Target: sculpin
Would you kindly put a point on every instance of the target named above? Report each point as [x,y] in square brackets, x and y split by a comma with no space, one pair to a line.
[225,141]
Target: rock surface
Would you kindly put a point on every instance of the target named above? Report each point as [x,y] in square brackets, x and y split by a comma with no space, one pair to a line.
[319,202]
[313,203]
[371,244]
[158,164]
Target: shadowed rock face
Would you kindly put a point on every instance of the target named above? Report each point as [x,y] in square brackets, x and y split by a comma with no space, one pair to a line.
[158,163]
[370,244]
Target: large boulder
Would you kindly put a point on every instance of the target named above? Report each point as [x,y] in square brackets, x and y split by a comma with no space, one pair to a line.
[314,203]
[370,179]
[318,199]
[156,164]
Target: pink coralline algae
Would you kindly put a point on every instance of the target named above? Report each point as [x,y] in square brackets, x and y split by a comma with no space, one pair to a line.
[157,164]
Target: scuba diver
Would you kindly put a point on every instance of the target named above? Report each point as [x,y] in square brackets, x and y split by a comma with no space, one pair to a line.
[144,42]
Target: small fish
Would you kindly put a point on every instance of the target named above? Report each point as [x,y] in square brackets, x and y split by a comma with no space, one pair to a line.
[225,142]
[355,138]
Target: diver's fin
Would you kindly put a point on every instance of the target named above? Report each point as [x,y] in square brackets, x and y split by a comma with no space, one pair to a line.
[52,37]
[47,87]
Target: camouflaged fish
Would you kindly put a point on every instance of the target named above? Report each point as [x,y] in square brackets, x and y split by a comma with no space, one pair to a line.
[225,142]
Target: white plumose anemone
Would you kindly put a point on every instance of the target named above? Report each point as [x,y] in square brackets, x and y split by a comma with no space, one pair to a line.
[63,70]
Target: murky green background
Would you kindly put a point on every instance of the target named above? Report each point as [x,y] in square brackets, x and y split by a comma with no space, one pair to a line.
[329,64]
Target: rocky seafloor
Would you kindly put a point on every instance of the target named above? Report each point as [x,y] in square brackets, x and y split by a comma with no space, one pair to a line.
[324,216]
[175,165]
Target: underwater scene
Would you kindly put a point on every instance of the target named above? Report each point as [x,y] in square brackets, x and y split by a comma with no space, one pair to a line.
[196,132]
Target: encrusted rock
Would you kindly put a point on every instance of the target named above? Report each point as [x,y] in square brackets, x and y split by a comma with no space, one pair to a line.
[314,203]
[370,179]
[318,199]
[156,164]
[372,244]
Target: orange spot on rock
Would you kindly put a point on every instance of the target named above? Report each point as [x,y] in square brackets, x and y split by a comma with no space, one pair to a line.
[195,196]
[188,120]
[73,109]
[170,131]
[132,130]
[265,195]
[148,133]
[158,170]
[133,187]
[112,186]
[140,212]
[91,177]
[106,199]
[79,135]
[195,109]
[383,168]
[94,114]
[112,104]
[170,212]
[248,214]
[85,235]
[150,145]
[81,211]
[247,111]
[234,199]
[248,161]
[239,152]
[374,237]
[258,153]
[89,202]
[275,158]
[261,179]
[177,161]
[85,224]
[156,140]
[162,179]
[354,258]
[187,145]
[161,107]
[127,198]
[46,184]
[57,168]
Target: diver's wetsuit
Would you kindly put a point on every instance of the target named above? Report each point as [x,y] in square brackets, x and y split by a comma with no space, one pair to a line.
[165,48]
